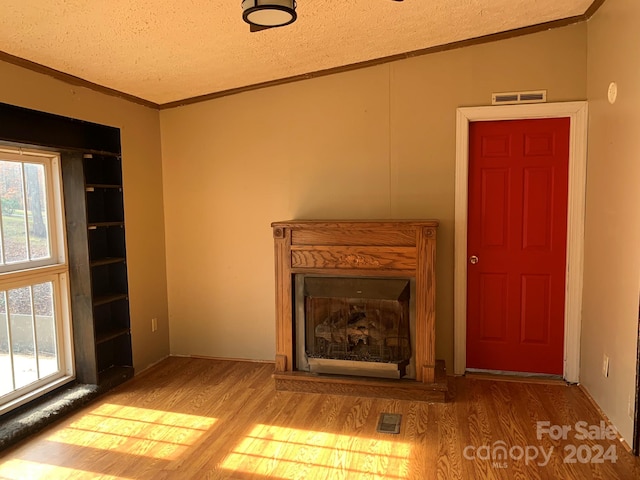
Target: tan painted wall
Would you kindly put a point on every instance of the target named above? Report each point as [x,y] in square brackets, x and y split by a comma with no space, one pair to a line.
[372,143]
[612,237]
[142,177]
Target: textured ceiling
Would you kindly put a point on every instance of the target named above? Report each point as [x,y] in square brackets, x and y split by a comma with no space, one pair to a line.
[169,50]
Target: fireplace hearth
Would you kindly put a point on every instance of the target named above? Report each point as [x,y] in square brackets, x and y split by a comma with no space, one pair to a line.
[355,308]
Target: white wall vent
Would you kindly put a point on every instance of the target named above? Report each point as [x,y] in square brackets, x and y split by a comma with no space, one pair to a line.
[510,98]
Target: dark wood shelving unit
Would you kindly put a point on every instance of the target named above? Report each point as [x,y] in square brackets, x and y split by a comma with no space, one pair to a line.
[99,284]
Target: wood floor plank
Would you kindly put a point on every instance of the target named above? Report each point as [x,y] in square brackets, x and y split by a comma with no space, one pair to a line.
[190,418]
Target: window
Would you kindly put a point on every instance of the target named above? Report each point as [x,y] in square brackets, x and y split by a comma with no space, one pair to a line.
[35,328]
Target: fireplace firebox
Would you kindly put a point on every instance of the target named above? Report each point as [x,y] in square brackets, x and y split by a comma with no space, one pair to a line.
[355,308]
[354,326]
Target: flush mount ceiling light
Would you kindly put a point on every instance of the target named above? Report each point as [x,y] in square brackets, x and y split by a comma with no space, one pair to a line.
[269,13]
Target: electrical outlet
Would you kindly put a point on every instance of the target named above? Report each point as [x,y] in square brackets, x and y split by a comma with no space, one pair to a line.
[605,366]
[154,324]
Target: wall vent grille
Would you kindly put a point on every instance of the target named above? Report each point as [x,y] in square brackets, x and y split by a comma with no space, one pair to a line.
[510,98]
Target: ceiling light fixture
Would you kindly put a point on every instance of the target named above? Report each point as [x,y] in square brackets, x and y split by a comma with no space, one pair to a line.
[269,13]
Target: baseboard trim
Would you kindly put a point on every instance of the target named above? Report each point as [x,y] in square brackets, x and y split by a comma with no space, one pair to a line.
[146,369]
[624,443]
[500,377]
[247,360]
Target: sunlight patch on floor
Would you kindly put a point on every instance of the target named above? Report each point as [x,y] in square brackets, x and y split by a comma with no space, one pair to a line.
[18,469]
[273,451]
[135,431]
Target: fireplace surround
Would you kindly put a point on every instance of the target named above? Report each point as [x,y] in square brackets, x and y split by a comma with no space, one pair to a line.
[316,260]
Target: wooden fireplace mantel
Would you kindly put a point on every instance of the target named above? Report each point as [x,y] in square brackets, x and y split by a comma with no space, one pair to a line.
[385,248]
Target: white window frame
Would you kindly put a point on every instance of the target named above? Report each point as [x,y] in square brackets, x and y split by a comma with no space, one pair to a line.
[54,269]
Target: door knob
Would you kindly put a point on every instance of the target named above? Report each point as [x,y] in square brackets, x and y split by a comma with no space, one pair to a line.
[473,259]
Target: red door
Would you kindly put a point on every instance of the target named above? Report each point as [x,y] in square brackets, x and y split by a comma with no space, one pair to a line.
[517,235]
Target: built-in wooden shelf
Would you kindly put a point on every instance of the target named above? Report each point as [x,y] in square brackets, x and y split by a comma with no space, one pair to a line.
[93,186]
[95,225]
[114,375]
[105,337]
[101,300]
[107,261]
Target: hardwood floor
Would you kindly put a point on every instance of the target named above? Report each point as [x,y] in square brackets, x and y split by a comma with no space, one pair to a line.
[209,419]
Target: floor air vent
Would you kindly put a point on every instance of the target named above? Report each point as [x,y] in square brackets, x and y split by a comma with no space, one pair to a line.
[389,423]
[511,98]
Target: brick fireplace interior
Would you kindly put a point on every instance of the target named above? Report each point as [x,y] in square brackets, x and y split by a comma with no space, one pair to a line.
[355,308]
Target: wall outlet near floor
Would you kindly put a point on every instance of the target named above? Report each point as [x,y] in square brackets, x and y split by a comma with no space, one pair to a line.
[605,365]
[154,324]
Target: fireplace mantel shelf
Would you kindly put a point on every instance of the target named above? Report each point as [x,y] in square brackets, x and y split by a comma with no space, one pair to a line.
[377,248]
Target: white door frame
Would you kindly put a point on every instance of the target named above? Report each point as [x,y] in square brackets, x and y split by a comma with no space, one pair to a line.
[577,112]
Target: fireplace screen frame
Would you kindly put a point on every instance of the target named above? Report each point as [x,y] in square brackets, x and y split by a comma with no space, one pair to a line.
[349,367]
